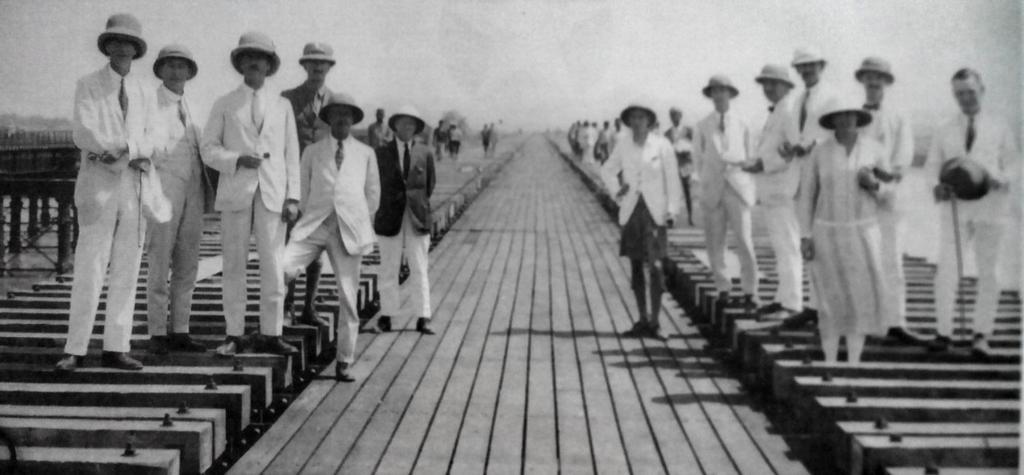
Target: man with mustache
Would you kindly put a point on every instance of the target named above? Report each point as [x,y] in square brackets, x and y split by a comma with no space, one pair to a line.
[250,138]
[114,123]
[307,99]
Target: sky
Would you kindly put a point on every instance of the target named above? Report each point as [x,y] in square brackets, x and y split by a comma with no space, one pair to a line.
[534,64]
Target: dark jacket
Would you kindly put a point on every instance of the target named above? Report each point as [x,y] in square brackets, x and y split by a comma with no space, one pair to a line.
[398,194]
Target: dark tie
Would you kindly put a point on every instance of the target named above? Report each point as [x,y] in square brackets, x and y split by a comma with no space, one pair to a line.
[721,123]
[970,132]
[771,109]
[339,156]
[122,97]
[872,107]
[405,163]
[181,114]
[803,110]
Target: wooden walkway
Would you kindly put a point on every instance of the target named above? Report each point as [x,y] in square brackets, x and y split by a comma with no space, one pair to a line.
[527,372]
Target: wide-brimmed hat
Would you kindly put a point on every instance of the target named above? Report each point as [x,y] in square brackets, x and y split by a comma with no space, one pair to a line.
[317,52]
[807,56]
[842,106]
[720,80]
[345,101]
[126,27]
[876,65]
[774,72]
[637,106]
[175,51]
[256,42]
[407,111]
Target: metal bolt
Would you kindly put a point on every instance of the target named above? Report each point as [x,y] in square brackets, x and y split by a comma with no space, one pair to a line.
[128,450]
[851,397]
[212,384]
[788,345]
[931,470]
[881,423]
[895,438]
[807,360]
[183,408]
[827,377]
[237,366]
[167,421]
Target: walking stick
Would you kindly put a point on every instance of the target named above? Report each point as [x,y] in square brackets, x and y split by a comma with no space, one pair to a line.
[959,265]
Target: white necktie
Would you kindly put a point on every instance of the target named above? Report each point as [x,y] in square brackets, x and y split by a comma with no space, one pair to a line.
[257,111]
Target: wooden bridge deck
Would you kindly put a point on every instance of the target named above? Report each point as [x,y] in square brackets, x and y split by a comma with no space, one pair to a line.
[528,371]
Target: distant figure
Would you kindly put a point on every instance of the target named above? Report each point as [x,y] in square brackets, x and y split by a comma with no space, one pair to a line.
[890,128]
[720,150]
[987,144]
[485,138]
[403,222]
[454,141]
[341,192]
[250,138]
[440,139]
[839,200]
[777,175]
[603,137]
[574,135]
[114,124]
[380,134]
[681,138]
[641,173]
[307,100]
[587,143]
[173,247]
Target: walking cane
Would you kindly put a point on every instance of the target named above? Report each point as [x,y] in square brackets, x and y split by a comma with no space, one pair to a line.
[959,265]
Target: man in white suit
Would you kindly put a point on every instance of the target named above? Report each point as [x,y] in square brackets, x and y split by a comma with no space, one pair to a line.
[720,149]
[174,246]
[114,111]
[340,191]
[778,178]
[250,138]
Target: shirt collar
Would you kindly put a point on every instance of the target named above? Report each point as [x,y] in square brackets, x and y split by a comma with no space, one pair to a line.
[401,145]
[169,95]
[249,91]
[113,76]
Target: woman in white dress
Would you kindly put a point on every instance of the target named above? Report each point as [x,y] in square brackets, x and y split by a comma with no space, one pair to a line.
[840,193]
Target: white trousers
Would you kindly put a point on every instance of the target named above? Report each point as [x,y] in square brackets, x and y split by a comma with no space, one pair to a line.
[236,227]
[784,233]
[174,247]
[732,213]
[891,226]
[983,237]
[416,246]
[298,255]
[119,232]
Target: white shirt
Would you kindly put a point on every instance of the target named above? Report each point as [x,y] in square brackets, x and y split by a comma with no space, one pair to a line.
[401,153]
[994,148]
[719,155]
[779,181]
[650,171]
[176,146]
[892,129]
[818,97]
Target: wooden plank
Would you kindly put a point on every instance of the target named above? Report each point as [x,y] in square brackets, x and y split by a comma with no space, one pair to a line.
[878,387]
[194,440]
[86,460]
[953,471]
[920,410]
[873,452]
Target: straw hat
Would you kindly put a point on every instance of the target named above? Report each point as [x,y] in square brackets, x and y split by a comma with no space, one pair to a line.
[407,111]
[175,51]
[317,52]
[774,72]
[637,106]
[257,42]
[807,56]
[876,65]
[720,80]
[842,106]
[342,100]
[123,26]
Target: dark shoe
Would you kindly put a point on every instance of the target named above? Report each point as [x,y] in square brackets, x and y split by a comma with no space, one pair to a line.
[309,317]
[384,323]
[806,317]
[276,345]
[423,326]
[119,360]
[68,364]
[159,345]
[341,373]
[370,330]
[184,342]
[939,344]
[656,333]
[232,346]
[769,309]
[980,347]
[780,315]
[638,329]
[908,337]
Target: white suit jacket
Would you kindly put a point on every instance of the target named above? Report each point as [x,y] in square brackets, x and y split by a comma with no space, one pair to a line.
[650,171]
[818,98]
[778,183]
[230,133]
[718,159]
[353,192]
[100,127]
[175,146]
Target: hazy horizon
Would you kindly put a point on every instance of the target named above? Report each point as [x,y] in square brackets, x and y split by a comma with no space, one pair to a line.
[534,64]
